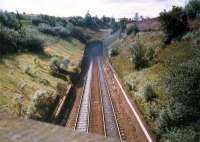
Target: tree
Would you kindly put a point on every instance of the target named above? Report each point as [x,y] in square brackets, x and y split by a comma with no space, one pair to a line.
[193,8]
[137,56]
[174,23]
[133,29]
[123,23]
[89,21]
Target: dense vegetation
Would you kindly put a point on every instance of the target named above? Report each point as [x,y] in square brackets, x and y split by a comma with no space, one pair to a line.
[165,81]
[13,37]
[193,9]
[174,23]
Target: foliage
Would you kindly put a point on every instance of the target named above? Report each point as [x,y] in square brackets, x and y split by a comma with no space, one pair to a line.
[137,56]
[174,23]
[40,105]
[54,65]
[77,21]
[182,135]
[190,35]
[56,31]
[12,41]
[123,22]
[61,89]
[89,21]
[78,34]
[149,93]
[183,108]
[193,8]
[10,20]
[49,20]
[114,52]
[133,29]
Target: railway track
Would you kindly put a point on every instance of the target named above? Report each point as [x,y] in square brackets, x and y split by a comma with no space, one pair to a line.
[111,125]
[97,124]
[129,119]
[104,108]
[82,121]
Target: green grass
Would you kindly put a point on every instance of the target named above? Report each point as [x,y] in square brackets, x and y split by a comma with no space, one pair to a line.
[24,73]
[155,74]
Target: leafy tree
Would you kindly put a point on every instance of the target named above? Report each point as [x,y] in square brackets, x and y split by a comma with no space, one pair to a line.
[174,23]
[12,41]
[137,56]
[10,20]
[114,52]
[54,65]
[149,93]
[41,104]
[193,8]
[123,22]
[133,29]
[184,106]
[89,21]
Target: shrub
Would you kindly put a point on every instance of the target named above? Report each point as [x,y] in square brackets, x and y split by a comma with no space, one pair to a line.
[114,52]
[11,20]
[183,90]
[181,135]
[190,35]
[54,65]
[152,111]
[13,41]
[78,34]
[132,30]
[193,8]
[41,104]
[56,31]
[148,93]
[174,23]
[61,89]
[137,56]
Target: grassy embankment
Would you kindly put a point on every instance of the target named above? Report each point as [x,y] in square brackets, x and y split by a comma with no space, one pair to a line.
[24,73]
[154,73]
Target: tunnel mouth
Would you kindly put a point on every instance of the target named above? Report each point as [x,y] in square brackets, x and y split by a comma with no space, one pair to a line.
[93,50]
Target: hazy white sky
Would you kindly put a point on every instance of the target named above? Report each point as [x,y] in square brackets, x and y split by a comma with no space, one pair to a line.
[116,8]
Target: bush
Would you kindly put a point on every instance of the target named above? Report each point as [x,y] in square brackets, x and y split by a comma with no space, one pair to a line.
[114,52]
[49,20]
[54,65]
[193,8]
[137,56]
[61,89]
[78,34]
[10,20]
[41,104]
[174,23]
[181,135]
[132,30]
[56,31]
[183,90]
[149,93]
[190,35]
[13,41]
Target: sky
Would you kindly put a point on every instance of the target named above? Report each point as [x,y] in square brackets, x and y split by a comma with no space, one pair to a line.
[115,8]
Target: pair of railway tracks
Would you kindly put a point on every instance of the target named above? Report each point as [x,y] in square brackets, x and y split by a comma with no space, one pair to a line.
[96,113]
[105,110]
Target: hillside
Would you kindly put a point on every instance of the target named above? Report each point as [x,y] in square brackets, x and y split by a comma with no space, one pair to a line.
[22,74]
[148,84]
